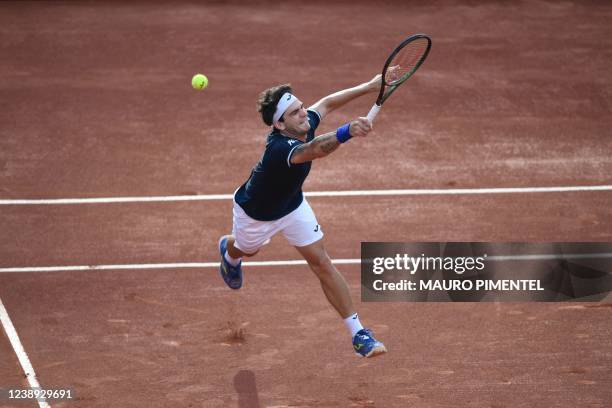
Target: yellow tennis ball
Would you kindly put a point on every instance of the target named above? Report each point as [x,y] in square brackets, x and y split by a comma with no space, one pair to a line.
[199,81]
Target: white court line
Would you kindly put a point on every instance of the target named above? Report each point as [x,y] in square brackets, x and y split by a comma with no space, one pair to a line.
[11,333]
[188,265]
[347,193]
[164,266]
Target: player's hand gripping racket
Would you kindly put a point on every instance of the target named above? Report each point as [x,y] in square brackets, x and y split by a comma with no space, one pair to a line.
[403,62]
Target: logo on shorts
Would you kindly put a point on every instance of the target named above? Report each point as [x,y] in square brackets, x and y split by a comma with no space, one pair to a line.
[316,228]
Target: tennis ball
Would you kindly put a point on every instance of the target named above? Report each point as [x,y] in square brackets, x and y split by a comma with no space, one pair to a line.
[199,81]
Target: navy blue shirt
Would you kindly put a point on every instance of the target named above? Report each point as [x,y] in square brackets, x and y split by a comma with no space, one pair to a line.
[274,188]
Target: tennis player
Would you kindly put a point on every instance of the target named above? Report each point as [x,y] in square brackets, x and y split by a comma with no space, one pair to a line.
[271,200]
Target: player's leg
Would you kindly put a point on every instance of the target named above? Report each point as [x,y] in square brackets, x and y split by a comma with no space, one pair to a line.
[337,292]
[302,231]
[234,252]
[248,236]
[332,282]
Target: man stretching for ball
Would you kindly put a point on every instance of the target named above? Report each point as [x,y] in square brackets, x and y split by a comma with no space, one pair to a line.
[271,200]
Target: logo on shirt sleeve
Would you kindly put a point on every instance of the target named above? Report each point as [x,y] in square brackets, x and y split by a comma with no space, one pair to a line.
[291,142]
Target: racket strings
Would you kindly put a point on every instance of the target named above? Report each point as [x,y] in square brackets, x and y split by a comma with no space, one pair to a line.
[406,61]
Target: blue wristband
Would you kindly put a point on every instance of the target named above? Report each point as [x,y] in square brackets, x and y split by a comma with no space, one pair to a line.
[343,134]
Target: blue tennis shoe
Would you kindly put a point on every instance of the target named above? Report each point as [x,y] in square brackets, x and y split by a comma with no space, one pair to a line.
[366,345]
[232,275]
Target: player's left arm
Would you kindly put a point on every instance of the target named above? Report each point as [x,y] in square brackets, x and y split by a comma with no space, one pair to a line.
[341,98]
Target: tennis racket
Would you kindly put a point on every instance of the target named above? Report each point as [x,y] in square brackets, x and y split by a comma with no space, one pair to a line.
[403,62]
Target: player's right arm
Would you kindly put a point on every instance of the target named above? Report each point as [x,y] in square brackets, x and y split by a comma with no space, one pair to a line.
[324,145]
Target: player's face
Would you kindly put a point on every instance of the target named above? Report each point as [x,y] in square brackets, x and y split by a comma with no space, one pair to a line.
[295,120]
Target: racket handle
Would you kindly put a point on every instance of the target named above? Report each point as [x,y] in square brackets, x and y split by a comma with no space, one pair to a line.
[373,112]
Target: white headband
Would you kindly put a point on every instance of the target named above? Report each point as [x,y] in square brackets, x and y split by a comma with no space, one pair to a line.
[285,101]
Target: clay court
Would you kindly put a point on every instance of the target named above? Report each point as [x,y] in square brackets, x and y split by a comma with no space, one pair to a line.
[97,103]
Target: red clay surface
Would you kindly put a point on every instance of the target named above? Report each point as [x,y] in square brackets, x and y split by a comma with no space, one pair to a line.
[96,102]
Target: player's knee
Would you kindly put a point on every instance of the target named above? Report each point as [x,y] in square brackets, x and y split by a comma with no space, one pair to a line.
[236,252]
[239,253]
[321,264]
[251,253]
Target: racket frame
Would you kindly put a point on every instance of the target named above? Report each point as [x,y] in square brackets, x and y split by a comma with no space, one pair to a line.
[386,89]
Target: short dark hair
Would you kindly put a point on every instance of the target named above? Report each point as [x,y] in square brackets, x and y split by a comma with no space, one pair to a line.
[268,99]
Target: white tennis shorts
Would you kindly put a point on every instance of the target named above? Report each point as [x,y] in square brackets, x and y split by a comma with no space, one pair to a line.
[300,228]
